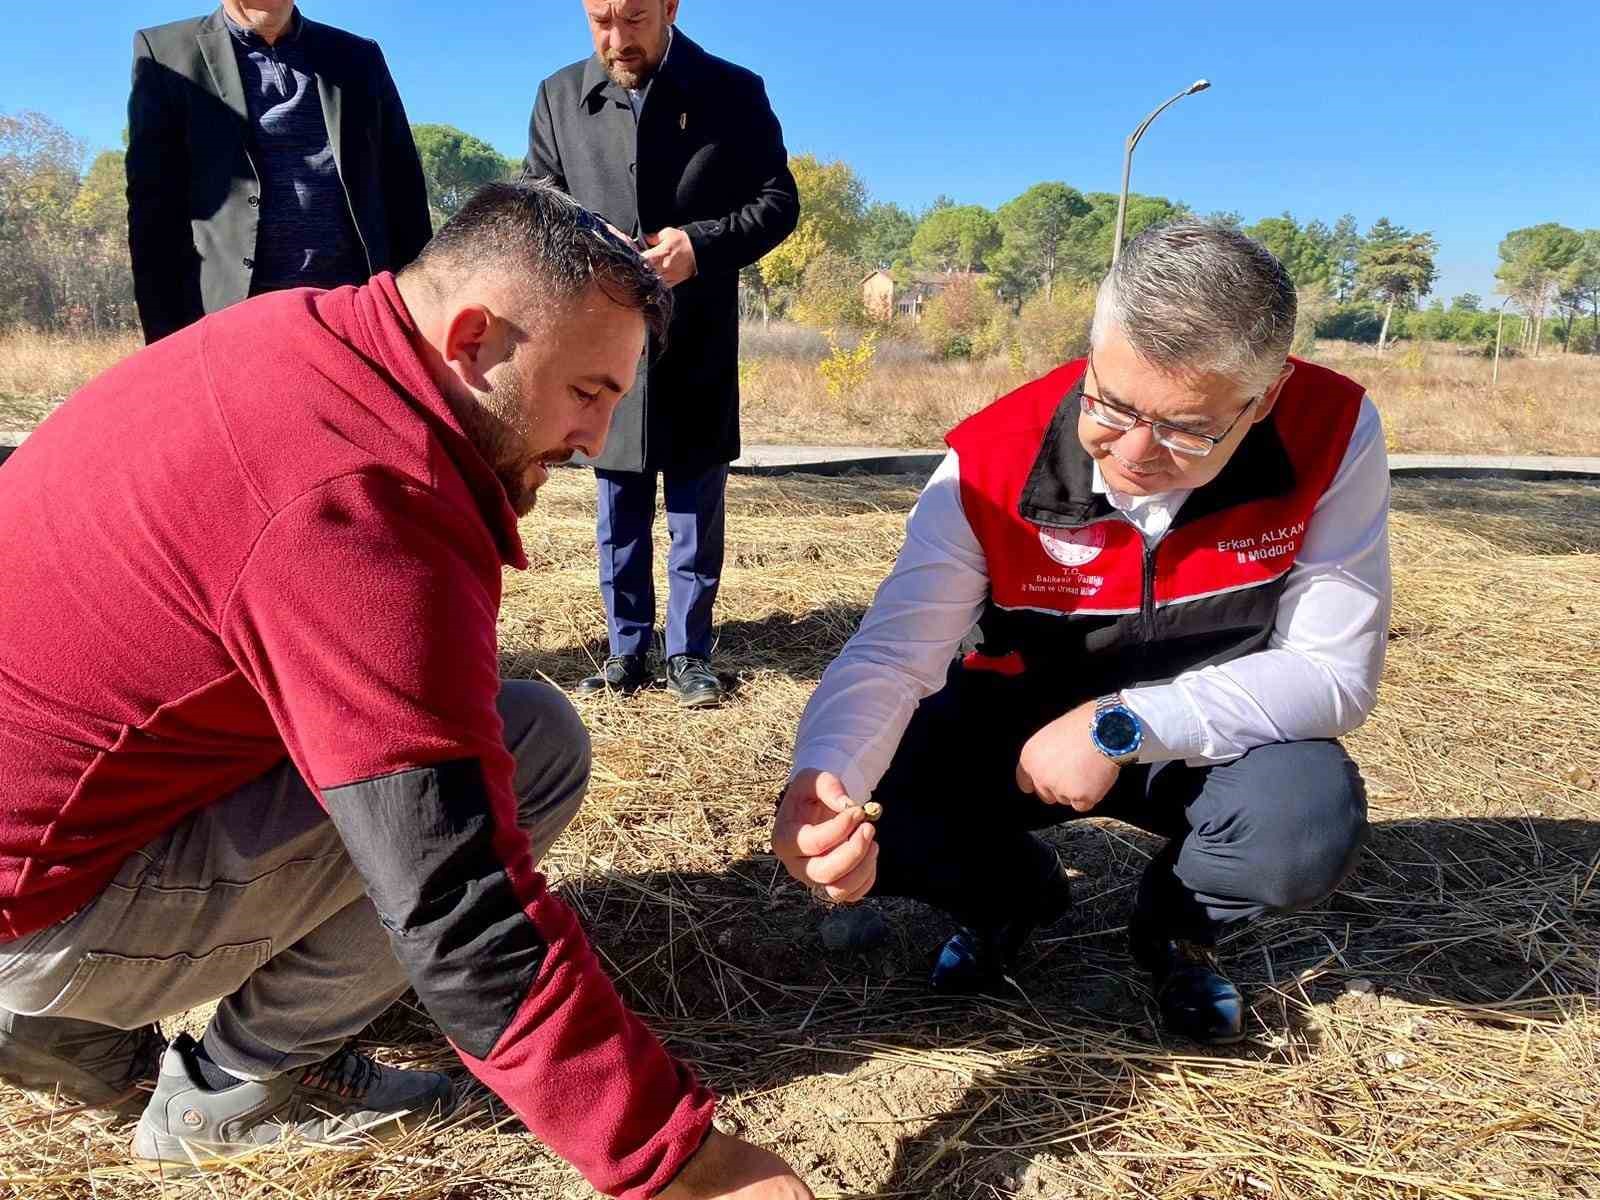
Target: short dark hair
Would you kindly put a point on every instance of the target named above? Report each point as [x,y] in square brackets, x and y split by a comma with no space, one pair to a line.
[533,226]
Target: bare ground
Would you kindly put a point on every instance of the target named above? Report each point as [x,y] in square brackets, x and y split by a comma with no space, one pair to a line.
[1431,1032]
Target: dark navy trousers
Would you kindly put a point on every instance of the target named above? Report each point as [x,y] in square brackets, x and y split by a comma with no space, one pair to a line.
[695,525]
[1275,830]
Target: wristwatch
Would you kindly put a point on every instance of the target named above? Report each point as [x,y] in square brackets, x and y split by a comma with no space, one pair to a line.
[1115,729]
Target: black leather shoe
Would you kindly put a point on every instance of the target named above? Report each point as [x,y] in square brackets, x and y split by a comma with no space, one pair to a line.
[693,683]
[621,673]
[971,963]
[975,961]
[1196,1000]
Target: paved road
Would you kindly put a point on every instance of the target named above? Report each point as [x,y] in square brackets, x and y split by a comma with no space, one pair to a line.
[886,460]
[882,460]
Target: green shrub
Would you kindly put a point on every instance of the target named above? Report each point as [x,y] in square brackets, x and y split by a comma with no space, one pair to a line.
[830,293]
[953,321]
[1053,330]
[1313,306]
[1352,323]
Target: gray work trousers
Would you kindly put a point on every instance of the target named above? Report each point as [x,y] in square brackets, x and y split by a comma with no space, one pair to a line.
[255,901]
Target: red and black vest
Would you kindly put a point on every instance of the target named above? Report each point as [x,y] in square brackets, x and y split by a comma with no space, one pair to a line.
[1078,604]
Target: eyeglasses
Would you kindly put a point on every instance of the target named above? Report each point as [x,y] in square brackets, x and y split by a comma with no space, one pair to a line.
[1174,437]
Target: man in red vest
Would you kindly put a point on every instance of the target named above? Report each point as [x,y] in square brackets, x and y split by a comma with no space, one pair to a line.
[255,743]
[1176,555]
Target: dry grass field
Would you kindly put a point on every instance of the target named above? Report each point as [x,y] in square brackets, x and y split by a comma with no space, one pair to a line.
[1433,1031]
[39,370]
[1433,398]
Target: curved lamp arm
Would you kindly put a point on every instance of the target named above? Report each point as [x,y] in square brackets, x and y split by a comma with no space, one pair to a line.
[1199,85]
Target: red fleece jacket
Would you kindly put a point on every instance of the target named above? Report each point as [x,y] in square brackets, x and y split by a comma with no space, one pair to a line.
[267,535]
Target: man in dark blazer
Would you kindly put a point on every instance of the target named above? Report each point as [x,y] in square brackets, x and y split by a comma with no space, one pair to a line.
[681,150]
[265,151]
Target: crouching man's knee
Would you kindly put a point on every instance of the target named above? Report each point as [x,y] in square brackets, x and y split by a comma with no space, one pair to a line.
[550,745]
[1322,827]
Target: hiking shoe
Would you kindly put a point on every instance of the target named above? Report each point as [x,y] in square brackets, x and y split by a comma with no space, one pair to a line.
[693,683]
[340,1102]
[625,673]
[79,1060]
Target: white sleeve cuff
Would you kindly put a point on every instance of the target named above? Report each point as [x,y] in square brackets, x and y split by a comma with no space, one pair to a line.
[1171,726]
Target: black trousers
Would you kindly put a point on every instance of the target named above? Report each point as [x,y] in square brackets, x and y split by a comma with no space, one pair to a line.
[1275,830]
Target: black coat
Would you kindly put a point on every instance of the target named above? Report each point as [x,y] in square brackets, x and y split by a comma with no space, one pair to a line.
[707,157]
[194,193]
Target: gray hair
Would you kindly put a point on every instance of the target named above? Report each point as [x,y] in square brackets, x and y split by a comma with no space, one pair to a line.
[1195,296]
[535,231]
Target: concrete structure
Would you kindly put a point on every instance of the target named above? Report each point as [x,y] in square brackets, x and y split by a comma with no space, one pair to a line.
[885,460]
[835,460]
[1543,467]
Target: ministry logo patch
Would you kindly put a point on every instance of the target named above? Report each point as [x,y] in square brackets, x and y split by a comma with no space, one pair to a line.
[1073,547]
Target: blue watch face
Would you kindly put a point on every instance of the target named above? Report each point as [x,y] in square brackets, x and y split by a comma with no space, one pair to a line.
[1117,731]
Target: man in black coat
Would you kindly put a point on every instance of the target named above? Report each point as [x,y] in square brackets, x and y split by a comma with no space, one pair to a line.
[681,150]
[265,151]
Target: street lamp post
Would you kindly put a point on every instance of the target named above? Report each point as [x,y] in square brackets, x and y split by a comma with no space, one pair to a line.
[1199,85]
[1498,330]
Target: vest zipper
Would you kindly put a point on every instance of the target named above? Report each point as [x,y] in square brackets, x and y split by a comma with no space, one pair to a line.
[1147,585]
[1147,597]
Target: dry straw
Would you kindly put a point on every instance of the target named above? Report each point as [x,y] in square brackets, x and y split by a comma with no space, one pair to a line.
[1431,1032]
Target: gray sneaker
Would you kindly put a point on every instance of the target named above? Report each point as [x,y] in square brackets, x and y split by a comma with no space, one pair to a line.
[341,1102]
[80,1061]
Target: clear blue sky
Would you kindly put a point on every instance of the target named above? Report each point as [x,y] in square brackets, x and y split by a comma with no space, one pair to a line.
[1467,119]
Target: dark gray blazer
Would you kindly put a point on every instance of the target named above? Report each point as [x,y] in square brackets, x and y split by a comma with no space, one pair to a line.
[707,157]
[194,193]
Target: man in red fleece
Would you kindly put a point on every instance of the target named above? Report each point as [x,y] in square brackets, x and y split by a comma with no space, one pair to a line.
[253,736]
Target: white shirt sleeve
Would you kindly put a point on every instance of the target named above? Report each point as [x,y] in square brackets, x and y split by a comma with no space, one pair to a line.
[1318,676]
[902,652]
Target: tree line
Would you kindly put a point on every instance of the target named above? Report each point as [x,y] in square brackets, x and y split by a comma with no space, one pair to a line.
[63,231]
[64,219]
[1551,269]
[1360,286]
[1025,264]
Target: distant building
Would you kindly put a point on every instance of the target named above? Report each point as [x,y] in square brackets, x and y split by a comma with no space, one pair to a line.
[877,295]
[885,300]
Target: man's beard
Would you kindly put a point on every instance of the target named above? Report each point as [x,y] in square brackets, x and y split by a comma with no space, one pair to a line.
[630,76]
[500,429]
[522,494]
